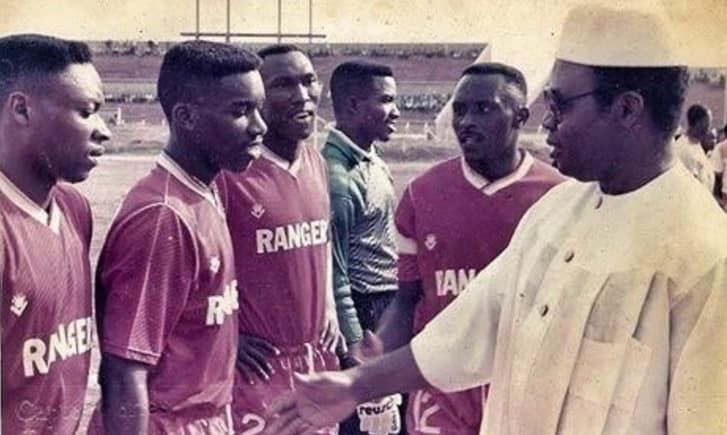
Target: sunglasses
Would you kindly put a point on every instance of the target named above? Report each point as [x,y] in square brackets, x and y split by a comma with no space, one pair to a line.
[557,104]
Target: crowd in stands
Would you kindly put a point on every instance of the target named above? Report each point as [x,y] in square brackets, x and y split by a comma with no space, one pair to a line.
[132,48]
[428,102]
[709,75]
[455,51]
[422,102]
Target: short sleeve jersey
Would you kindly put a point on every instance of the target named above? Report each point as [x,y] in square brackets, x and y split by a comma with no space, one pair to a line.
[279,219]
[451,223]
[166,291]
[46,310]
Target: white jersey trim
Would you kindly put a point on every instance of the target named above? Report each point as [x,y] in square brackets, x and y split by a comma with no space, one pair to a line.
[166,162]
[491,187]
[405,245]
[293,168]
[50,218]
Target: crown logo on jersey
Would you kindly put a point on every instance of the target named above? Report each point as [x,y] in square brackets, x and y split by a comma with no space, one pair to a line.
[257,210]
[430,241]
[215,264]
[19,304]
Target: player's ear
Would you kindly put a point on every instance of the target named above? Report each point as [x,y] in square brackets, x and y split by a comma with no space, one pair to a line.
[628,109]
[17,105]
[522,114]
[352,104]
[184,115]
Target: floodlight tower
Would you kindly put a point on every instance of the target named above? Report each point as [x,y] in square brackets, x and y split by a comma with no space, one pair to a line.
[310,23]
[228,34]
[196,32]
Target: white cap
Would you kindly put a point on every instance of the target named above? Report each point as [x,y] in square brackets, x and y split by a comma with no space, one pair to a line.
[603,36]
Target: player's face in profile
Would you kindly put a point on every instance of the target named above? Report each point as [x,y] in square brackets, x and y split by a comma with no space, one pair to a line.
[68,129]
[579,130]
[484,116]
[292,92]
[230,122]
[378,109]
[710,139]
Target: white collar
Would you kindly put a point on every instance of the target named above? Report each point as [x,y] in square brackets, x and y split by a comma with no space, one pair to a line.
[491,187]
[291,167]
[51,218]
[687,141]
[194,184]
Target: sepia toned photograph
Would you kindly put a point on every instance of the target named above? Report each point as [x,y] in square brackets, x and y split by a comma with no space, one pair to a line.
[351,217]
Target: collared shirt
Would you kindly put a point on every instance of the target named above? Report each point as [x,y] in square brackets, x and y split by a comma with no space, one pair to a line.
[51,217]
[693,157]
[196,185]
[604,315]
[488,187]
[293,168]
[451,222]
[167,294]
[278,213]
[362,204]
[46,309]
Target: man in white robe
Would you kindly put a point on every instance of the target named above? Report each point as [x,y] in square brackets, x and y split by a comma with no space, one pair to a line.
[607,314]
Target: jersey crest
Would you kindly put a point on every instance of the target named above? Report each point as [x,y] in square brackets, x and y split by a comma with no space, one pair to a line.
[430,241]
[20,302]
[257,210]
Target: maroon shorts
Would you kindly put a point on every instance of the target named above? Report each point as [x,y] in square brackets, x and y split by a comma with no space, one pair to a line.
[249,402]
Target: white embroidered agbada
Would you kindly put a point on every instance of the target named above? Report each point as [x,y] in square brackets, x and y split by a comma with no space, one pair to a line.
[606,315]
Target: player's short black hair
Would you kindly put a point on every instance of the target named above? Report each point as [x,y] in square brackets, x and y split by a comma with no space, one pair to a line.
[274,49]
[189,66]
[35,56]
[696,114]
[511,74]
[354,78]
[663,90]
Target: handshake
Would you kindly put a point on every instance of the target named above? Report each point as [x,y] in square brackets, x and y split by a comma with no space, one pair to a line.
[322,399]
[380,417]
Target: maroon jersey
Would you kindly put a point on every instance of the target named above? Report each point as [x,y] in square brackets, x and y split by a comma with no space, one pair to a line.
[46,310]
[279,225]
[278,215]
[451,222]
[167,295]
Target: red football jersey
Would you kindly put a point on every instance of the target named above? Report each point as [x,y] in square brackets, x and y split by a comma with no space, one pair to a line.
[279,221]
[167,295]
[451,222]
[47,323]
[278,215]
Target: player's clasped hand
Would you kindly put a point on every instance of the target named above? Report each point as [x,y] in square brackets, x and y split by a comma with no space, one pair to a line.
[319,400]
[368,348]
[252,358]
[380,417]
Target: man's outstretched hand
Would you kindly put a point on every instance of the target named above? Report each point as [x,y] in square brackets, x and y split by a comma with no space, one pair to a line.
[319,400]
